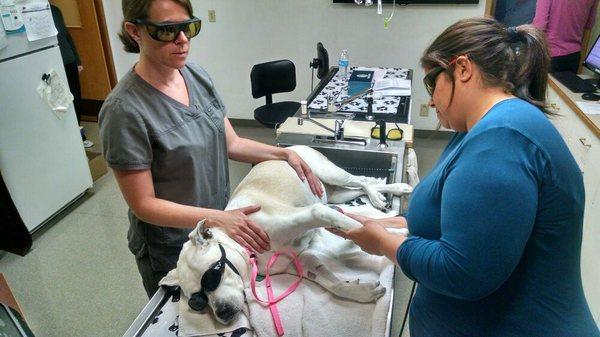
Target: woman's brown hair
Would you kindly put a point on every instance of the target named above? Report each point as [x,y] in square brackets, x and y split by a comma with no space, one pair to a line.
[515,59]
[138,10]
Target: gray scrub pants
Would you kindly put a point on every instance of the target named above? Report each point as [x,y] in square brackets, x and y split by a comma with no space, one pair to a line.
[150,277]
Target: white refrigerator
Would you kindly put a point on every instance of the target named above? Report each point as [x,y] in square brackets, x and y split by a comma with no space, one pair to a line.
[42,159]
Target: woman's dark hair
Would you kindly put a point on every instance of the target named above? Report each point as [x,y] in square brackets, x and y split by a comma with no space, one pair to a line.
[515,59]
[138,10]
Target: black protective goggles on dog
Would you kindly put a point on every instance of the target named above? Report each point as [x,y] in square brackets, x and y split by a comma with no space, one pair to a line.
[169,31]
[210,281]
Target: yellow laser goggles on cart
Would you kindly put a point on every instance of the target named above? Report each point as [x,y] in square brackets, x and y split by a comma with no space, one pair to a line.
[392,134]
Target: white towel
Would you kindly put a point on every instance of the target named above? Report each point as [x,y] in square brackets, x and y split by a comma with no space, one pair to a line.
[412,168]
[167,323]
[194,323]
[313,311]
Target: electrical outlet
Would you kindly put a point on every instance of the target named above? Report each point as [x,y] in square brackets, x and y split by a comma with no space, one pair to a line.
[424,112]
[212,16]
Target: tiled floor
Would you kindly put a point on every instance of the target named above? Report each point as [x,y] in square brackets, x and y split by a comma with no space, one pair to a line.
[81,280]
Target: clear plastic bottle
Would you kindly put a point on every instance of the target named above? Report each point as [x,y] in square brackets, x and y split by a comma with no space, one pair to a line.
[303,108]
[343,63]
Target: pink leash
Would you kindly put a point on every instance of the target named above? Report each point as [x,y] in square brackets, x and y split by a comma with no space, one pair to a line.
[272,301]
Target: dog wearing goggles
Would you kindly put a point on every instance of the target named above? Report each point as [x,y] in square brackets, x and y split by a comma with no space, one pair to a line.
[213,269]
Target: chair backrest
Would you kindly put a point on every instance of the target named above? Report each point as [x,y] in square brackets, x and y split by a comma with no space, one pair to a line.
[272,77]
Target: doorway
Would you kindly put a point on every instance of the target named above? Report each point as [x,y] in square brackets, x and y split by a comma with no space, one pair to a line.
[86,25]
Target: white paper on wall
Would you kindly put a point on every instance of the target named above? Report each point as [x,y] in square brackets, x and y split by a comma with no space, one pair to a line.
[11,17]
[3,40]
[38,20]
[55,92]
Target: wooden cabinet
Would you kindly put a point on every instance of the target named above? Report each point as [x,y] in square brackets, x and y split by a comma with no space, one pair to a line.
[584,143]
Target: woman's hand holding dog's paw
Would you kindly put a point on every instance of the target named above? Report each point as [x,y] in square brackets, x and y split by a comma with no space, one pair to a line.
[374,238]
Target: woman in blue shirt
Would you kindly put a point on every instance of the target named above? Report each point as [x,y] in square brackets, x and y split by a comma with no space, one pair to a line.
[496,226]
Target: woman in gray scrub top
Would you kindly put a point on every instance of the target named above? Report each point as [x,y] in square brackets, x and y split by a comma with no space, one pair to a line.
[167,139]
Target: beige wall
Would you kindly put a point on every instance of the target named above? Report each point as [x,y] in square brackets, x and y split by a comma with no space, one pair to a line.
[250,32]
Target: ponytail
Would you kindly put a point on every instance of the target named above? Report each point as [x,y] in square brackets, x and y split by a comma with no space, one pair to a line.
[515,59]
[531,79]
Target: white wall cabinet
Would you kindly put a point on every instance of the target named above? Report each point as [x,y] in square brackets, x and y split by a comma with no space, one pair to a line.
[585,147]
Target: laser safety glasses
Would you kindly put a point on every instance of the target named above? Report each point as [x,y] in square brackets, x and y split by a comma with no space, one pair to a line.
[392,134]
[169,31]
[431,77]
[210,281]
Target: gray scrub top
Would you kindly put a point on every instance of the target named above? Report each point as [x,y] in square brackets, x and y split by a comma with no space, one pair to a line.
[184,148]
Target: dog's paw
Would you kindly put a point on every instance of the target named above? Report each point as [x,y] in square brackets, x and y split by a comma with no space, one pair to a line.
[345,223]
[363,292]
[379,201]
[334,219]
[400,189]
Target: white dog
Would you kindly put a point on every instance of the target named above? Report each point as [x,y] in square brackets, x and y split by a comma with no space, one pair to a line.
[213,269]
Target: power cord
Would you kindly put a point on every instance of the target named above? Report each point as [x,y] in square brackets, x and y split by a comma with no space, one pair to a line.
[386,21]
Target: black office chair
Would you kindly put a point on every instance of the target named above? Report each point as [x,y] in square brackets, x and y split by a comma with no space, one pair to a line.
[270,78]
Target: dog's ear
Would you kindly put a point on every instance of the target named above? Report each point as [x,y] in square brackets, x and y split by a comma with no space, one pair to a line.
[171,280]
[196,236]
[206,234]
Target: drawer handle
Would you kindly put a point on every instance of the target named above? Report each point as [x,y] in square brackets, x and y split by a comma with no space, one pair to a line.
[585,142]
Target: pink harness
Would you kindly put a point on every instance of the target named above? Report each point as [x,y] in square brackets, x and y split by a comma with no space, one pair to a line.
[271,300]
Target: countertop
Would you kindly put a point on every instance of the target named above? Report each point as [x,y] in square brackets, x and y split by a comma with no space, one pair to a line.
[591,121]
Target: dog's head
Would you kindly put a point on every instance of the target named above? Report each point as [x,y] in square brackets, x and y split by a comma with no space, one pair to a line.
[211,271]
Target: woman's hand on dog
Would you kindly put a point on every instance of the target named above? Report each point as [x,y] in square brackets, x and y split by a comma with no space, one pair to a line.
[305,173]
[239,227]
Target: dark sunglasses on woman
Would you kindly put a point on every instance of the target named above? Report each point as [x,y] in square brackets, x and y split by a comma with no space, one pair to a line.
[431,77]
[169,31]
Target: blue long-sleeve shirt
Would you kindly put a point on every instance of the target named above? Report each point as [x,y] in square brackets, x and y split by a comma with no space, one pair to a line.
[496,233]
